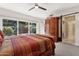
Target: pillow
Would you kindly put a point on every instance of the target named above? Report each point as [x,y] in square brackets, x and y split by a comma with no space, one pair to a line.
[1,38]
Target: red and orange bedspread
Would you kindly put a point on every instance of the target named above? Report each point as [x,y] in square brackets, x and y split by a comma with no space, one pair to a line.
[28,45]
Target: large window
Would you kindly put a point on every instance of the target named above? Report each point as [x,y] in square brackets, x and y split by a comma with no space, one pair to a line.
[23,27]
[9,27]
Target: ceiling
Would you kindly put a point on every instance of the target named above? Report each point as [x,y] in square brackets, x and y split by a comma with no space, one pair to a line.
[23,8]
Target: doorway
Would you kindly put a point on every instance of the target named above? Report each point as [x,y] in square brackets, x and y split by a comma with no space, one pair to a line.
[68,29]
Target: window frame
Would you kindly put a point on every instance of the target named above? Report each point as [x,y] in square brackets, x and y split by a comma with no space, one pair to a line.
[17,21]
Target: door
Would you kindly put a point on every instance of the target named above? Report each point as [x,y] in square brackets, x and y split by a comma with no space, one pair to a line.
[68,29]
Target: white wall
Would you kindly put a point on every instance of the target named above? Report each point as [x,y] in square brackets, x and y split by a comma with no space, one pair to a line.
[1,24]
[77,30]
[8,14]
[42,27]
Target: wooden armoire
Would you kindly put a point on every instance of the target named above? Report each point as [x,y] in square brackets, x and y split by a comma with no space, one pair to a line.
[51,27]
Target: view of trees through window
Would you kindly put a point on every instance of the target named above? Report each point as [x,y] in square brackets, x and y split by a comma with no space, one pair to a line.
[32,27]
[10,27]
[23,27]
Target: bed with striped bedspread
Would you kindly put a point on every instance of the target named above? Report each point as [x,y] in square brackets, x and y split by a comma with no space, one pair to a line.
[28,45]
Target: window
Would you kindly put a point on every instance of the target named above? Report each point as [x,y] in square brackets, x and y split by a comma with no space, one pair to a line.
[23,27]
[9,27]
[33,28]
[12,27]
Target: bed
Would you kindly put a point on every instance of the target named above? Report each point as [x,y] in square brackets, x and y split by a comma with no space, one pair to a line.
[28,45]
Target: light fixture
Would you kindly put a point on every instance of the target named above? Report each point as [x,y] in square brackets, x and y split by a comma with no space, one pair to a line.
[36,6]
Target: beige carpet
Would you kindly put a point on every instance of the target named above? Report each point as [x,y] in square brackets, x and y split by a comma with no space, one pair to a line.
[63,49]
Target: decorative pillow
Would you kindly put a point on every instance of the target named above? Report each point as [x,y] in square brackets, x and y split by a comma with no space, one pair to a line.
[1,38]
